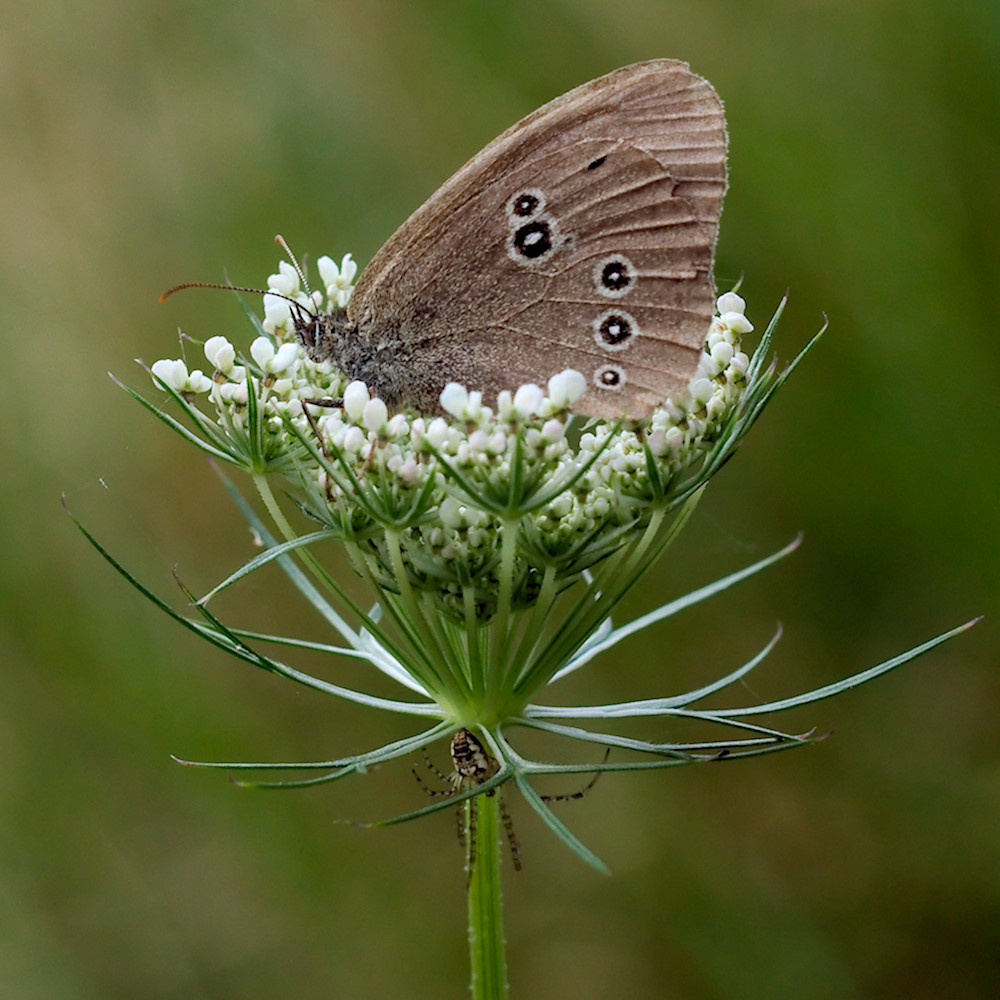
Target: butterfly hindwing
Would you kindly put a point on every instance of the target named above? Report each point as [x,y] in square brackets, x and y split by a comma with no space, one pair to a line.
[582,237]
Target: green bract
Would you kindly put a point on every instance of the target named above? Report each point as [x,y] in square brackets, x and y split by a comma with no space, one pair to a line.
[496,539]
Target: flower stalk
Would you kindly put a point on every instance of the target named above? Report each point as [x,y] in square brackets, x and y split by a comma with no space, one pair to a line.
[487,947]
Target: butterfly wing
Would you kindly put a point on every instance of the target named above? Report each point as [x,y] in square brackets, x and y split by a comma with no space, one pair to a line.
[582,237]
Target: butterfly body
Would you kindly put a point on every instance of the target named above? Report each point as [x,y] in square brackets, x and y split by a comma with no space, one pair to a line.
[582,237]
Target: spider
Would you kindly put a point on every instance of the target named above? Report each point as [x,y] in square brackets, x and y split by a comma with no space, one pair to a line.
[473,766]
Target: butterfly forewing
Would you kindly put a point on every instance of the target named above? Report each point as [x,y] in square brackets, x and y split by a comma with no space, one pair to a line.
[582,237]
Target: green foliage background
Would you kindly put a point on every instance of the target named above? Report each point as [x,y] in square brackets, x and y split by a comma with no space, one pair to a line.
[146,144]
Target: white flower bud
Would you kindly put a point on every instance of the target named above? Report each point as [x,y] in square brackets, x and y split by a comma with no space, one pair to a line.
[701,391]
[172,373]
[220,353]
[737,322]
[730,302]
[528,399]
[354,439]
[437,432]
[397,426]
[454,398]
[262,351]
[566,388]
[374,415]
[722,354]
[355,398]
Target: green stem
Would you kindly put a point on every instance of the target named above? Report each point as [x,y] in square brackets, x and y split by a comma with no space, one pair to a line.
[271,503]
[499,662]
[486,941]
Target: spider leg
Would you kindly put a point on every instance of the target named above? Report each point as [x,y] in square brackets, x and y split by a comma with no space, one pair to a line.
[470,837]
[433,792]
[583,791]
[512,841]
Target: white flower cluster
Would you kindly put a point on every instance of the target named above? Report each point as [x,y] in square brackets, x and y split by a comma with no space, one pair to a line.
[435,492]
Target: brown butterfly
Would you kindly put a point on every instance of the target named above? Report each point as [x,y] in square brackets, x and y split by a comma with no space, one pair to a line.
[582,237]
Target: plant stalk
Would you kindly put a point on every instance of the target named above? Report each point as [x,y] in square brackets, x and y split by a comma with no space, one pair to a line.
[487,953]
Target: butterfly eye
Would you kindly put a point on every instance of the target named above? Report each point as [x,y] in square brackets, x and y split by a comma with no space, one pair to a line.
[532,240]
[524,205]
[614,276]
[609,377]
[614,330]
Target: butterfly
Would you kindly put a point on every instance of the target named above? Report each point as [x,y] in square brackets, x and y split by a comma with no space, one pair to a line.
[583,237]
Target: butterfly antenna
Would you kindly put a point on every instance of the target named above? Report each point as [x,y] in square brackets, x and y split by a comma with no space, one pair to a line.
[225,288]
[280,240]
[302,310]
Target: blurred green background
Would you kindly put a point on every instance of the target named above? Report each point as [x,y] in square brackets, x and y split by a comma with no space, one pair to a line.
[149,143]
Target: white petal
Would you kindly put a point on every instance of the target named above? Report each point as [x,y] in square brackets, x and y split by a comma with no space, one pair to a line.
[172,373]
[730,302]
[454,398]
[375,414]
[262,351]
[566,388]
[528,399]
[737,322]
[286,357]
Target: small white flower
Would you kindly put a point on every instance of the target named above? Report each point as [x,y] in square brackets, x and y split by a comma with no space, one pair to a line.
[528,399]
[355,399]
[286,357]
[272,361]
[731,302]
[437,432]
[354,439]
[339,281]
[277,313]
[454,399]
[374,415]
[174,373]
[286,281]
[233,393]
[522,404]
[701,390]
[220,353]
[737,322]
[566,388]
[740,363]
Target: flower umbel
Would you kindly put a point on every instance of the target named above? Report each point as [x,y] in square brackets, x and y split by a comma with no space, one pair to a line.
[496,537]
